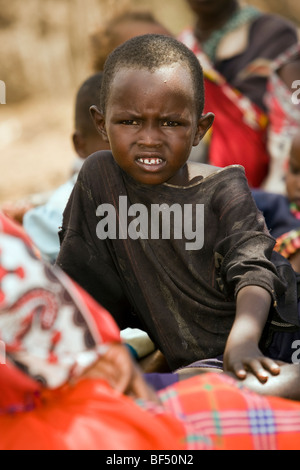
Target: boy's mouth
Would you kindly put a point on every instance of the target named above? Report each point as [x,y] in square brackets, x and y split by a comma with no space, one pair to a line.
[150,161]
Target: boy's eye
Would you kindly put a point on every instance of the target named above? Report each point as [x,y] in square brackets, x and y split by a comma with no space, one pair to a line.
[129,122]
[170,123]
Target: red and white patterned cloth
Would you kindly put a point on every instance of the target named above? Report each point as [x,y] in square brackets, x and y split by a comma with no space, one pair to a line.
[49,326]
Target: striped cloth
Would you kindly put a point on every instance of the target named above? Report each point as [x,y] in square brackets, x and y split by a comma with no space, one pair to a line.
[219,414]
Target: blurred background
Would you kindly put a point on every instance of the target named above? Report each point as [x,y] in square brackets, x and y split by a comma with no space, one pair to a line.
[44,58]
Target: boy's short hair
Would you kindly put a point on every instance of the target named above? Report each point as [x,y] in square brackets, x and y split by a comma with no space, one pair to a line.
[152,51]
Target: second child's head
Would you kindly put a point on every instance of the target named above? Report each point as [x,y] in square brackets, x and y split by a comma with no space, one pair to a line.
[151,113]
[86,139]
[121,28]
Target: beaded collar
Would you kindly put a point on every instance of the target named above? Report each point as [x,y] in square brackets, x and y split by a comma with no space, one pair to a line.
[295,210]
[239,18]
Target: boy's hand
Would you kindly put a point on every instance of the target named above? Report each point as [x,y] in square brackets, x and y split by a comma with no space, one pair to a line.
[242,353]
[247,357]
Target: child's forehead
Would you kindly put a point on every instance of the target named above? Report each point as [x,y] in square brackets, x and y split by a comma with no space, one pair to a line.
[166,82]
[165,71]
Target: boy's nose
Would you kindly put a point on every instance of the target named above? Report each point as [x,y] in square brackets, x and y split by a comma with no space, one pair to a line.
[149,136]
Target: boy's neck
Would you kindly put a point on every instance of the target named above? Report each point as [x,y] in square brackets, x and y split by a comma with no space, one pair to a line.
[181,178]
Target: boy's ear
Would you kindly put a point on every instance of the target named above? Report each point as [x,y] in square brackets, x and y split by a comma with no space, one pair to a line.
[99,121]
[204,124]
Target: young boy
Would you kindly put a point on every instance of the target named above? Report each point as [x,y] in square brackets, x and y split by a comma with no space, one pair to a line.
[204,285]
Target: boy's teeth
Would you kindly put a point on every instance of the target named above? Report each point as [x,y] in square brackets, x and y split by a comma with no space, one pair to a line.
[150,161]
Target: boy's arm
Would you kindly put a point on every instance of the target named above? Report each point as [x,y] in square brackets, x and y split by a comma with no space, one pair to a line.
[242,352]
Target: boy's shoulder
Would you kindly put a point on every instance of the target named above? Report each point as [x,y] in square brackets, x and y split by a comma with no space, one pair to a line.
[101,157]
[105,154]
[202,169]
[205,170]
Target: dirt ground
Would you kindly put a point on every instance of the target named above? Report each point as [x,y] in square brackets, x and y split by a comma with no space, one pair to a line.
[47,49]
[36,152]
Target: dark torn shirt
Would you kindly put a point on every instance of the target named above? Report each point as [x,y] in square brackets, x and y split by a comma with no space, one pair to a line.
[184,299]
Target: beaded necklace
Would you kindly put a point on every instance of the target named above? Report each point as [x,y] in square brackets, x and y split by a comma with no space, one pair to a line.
[295,210]
[239,18]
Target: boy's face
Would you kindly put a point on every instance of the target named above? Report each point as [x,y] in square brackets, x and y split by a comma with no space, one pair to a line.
[151,122]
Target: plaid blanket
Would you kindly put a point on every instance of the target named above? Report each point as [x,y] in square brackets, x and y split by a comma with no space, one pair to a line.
[219,414]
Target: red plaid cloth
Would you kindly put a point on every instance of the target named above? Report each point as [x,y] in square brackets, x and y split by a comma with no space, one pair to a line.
[220,414]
